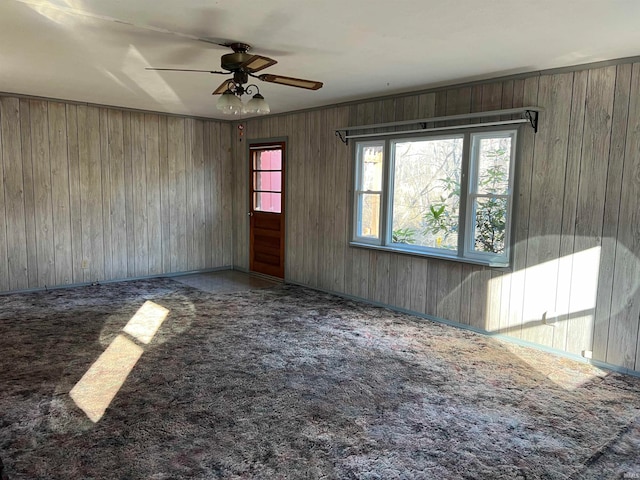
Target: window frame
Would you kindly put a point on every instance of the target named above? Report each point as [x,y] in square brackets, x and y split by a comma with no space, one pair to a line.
[358,193]
[466,222]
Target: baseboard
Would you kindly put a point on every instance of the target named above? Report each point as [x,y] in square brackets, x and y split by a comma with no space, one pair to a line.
[259,275]
[115,280]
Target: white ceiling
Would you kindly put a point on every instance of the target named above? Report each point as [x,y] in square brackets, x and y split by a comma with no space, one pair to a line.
[96,50]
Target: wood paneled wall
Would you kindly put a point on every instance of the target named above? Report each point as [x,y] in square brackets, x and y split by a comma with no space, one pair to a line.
[577,214]
[90,194]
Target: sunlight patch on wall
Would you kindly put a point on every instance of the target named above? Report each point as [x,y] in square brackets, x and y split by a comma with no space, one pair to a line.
[554,290]
[101,383]
[558,306]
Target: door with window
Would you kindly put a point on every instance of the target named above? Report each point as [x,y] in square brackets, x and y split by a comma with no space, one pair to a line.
[267,208]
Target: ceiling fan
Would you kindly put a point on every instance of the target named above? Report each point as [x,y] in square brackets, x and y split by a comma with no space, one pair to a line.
[244,65]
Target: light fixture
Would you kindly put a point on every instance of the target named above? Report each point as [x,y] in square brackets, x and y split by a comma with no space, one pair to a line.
[257,105]
[230,102]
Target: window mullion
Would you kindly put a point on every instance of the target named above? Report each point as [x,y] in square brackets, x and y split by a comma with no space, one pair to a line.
[387,194]
[463,223]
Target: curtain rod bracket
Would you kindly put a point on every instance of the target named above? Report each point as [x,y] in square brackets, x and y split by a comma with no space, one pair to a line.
[532,116]
[342,137]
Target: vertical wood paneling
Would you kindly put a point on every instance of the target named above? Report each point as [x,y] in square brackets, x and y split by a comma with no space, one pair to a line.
[117,194]
[58,152]
[198,199]
[139,171]
[175,148]
[241,197]
[11,161]
[77,271]
[294,253]
[106,193]
[596,141]
[494,304]
[340,200]
[312,198]
[525,92]
[189,193]
[218,192]
[327,221]
[45,250]
[164,193]
[478,301]
[418,285]
[612,210]
[128,192]
[567,235]
[4,266]
[545,218]
[29,193]
[224,158]
[209,189]
[85,194]
[623,342]
[91,192]
[152,181]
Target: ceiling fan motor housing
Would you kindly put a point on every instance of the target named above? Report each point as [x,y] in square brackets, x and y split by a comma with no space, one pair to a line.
[234,61]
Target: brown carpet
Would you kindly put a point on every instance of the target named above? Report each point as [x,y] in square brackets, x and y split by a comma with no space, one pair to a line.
[157,380]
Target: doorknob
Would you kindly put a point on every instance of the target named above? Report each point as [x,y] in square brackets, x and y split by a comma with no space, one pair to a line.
[250,214]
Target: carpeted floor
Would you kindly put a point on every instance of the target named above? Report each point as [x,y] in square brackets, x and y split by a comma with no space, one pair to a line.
[288,383]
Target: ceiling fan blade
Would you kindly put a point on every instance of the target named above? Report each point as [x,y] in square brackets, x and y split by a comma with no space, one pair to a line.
[224,86]
[186,70]
[257,63]
[291,81]
[215,41]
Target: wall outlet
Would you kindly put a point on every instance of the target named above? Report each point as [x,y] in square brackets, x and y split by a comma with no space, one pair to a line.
[84,264]
[550,318]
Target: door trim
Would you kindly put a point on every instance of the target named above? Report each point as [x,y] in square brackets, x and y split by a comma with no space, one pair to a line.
[253,144]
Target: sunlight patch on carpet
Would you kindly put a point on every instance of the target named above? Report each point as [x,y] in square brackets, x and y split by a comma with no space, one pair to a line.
[95,390]
[100,384]
[146,322]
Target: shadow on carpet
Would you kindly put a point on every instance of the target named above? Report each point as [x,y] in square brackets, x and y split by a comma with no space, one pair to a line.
[289,383]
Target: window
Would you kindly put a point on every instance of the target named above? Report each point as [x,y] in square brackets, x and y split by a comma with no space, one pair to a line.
[445,196]
[266,168]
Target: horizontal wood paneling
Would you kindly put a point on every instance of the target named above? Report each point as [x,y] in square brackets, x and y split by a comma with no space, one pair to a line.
[89,194]
[576,247]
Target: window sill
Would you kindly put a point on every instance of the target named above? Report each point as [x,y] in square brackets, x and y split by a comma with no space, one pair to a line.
[439,256]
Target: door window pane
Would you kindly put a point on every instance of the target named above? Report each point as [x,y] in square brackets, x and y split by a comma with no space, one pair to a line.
[268,160]
[267,202]
[271,181]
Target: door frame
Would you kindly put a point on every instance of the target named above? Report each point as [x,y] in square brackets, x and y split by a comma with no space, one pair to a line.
[266,142]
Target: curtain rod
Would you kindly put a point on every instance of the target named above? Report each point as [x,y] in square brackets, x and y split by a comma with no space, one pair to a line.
[530,116]
[438,129]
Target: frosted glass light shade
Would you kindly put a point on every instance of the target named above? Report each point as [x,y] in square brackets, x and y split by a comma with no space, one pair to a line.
[257,105]
[230,104]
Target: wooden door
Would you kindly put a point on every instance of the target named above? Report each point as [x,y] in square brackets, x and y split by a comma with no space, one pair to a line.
[267,208]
